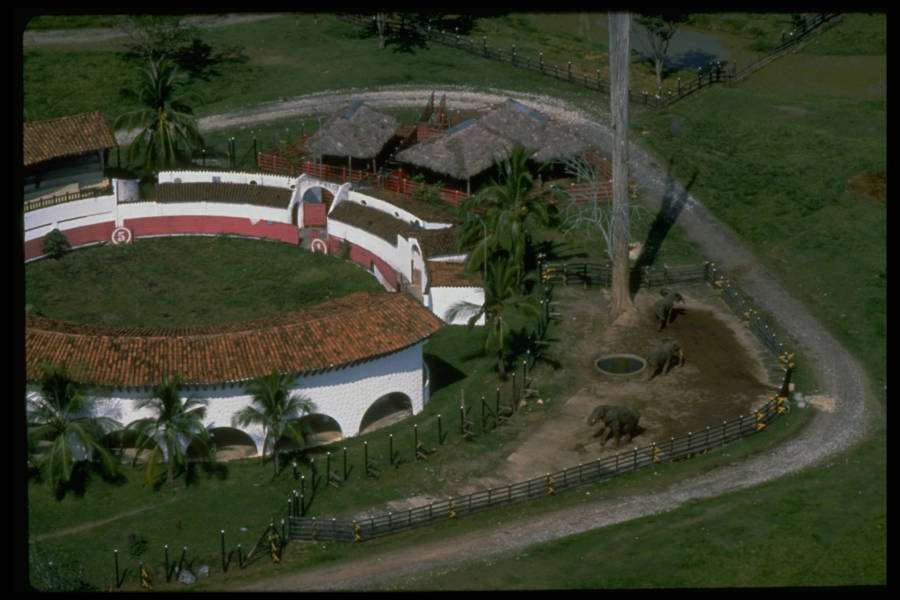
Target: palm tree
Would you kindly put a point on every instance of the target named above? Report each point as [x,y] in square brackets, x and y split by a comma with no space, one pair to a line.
[61,417]
[512,207]
[501,302]
[165,118]
[176,426]
[277,410]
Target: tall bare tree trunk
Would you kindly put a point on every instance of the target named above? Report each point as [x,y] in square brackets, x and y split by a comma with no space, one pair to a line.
[380,25]
[619,56]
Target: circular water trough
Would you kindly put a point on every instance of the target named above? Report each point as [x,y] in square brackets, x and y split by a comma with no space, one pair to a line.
[620,364]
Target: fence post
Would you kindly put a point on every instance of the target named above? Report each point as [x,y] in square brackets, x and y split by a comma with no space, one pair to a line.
[116,556]
[515,398]
[222,534]
[440,432]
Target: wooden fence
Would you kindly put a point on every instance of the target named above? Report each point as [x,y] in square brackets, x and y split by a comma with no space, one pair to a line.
[272,162]
[714,72]
[68,197]
[675,449]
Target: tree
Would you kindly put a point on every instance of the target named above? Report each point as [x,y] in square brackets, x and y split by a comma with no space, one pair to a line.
[619,56]
[592,216]
[164,120]
[54,243]
[155,37]
[381,26]
[512,207]
[277,410]
[501,301]
[60,419]
[177,425]
[660,28]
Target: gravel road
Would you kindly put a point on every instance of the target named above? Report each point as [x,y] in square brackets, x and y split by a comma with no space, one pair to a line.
[840,376]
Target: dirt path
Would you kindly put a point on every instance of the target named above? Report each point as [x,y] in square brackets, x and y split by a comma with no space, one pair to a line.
[36,37]
[840,376]
[91,525]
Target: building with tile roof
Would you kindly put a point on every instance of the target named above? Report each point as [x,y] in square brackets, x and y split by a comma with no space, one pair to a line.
[67,154]
[350,356]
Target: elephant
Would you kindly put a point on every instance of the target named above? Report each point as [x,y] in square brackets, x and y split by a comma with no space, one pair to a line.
[617,420]
[664,306]
[660,357]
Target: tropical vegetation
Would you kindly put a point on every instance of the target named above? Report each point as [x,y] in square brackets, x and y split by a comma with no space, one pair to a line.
[758,174]
[167,128]
[176,427]
[278,411]
[65,440]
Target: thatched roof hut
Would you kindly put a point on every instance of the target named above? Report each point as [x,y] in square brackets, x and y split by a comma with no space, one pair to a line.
[467,150]
[356,131]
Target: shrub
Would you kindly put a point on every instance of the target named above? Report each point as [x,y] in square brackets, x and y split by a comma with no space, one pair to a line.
[54,243]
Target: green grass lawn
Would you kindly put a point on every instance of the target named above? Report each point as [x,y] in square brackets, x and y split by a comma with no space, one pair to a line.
[182,281]
[773,156]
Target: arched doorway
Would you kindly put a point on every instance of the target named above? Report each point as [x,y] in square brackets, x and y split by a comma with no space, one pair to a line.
[231,444]
[388,409]
[319,430]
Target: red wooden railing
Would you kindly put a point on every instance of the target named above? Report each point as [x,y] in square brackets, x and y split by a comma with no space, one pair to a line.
[398,182]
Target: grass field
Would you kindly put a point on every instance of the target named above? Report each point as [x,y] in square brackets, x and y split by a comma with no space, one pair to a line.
[773,155]
[176,282]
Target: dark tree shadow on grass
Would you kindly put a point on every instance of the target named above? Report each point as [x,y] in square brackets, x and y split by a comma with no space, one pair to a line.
[673,200]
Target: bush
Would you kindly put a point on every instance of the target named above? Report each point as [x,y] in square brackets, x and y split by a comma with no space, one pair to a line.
[51,571]
[54,243]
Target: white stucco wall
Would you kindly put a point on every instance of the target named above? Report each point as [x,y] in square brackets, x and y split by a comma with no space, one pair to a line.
[342,394]
[441,299]
[69,215]
[266,179]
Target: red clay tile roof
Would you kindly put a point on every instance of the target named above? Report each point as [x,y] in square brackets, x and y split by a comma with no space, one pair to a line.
[447,274]
[338,333]
[66,136]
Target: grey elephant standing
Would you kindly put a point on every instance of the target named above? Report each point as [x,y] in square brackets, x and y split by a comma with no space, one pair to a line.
[664,306]
[617,421]
[660,357]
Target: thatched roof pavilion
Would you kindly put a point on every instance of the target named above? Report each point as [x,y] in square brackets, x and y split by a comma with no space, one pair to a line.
[354,132]
[467,150]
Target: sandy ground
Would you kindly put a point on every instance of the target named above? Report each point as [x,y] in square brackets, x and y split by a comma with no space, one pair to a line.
[840,402]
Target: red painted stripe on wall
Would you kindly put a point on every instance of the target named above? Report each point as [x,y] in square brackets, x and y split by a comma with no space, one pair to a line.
[101,232]
[169,225]
[77,236]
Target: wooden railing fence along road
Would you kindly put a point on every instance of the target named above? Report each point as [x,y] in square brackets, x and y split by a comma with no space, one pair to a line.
[714,73]
[675,449]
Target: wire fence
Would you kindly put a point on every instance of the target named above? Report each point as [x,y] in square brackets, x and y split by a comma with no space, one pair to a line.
[302,527]
[713,74]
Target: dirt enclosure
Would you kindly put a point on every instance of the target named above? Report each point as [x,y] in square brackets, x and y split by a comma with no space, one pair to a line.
[726,373]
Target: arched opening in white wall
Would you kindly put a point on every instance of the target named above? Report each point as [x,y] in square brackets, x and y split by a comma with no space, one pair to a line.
[320,430]
[231,443]
[388,409]
[316,194]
